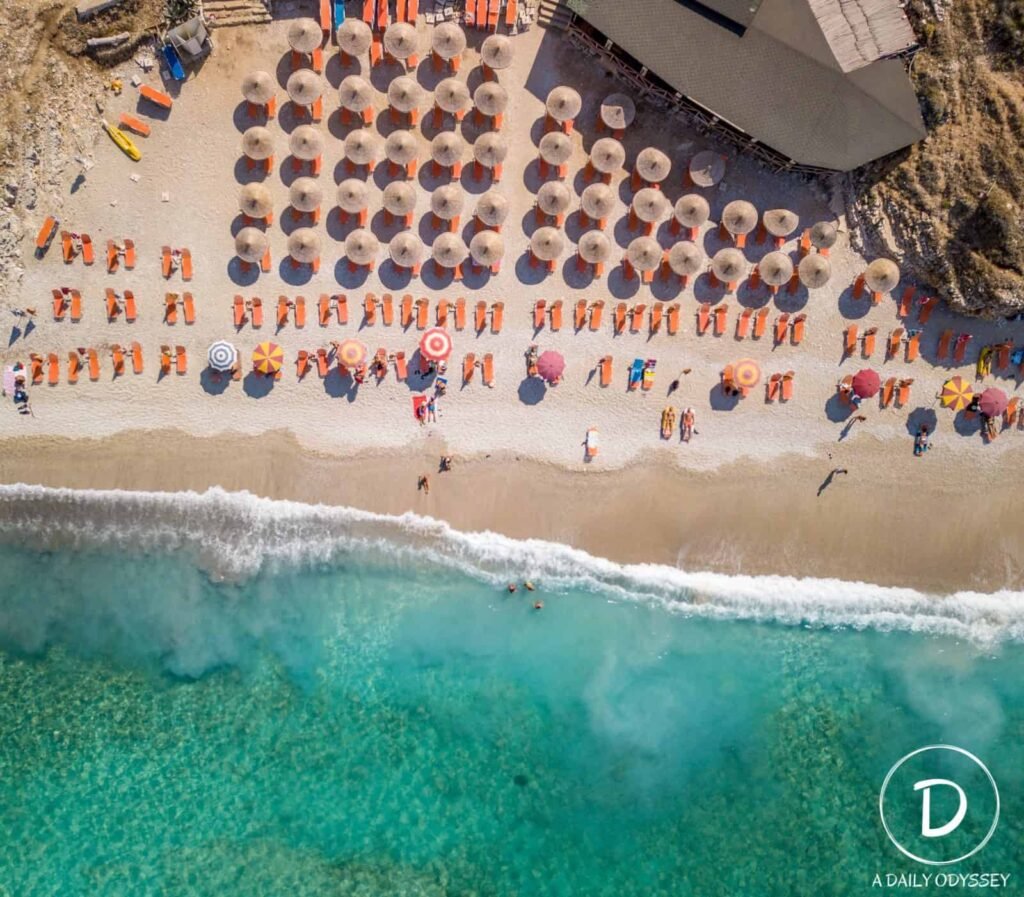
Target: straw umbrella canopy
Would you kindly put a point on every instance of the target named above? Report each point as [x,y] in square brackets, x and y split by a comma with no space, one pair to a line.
[691,210]
[957,393]
[304,245]
[490,149]
[400,40]
[644,253]
[563,103]
[304,35]
[404,94]
[492,208]
[553,198]
[775,268]
[815,271]
[649,204]
[824,235]
[399,198]
[448,40]
[406,250]
[882,275]
[496,52]
[780,222]
[268,358]
[352,195]
[251,244]
[258,87]
[361,246]
[305,87]
[449,250]
[547,243]
[400,147]
[993,402]
[452,95]
[306,143]
[490,98]
[352,352]
[254,200]
[355,93]
[746,373]
[305,194]
[258,143]
[728,264]
[618,111]
[436,344]
[222,355]
[555,148]
[362,147]
[487,248]
[447,149]
[354,36]
[550,365]
[653,165]
[446,202]
[739,217]
[597,201]
[685,258]
[594,246]
[707,168]
[607,155]
[866,383]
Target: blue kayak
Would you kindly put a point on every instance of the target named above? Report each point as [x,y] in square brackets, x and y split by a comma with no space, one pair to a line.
[173,62]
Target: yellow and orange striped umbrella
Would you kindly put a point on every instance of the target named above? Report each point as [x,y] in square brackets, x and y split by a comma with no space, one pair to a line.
[957,393]
[268,358]
[747,373]
[351,353]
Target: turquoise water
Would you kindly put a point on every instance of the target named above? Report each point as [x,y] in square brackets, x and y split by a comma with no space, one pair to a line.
[375,721]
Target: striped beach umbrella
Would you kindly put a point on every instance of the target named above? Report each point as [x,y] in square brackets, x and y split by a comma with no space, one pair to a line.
[866,383]
[957,393]
[351,352]
[222,356]
[747,373]
[268,358]
[436,344]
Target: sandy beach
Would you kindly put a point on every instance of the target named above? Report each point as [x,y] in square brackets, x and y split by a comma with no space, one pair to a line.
[742,497]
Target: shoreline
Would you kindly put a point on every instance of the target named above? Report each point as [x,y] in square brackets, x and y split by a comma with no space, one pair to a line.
[894,529]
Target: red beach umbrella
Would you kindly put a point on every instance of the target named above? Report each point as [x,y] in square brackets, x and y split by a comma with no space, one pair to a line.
[550,366]
[436,344]
[993,402]
[866,383]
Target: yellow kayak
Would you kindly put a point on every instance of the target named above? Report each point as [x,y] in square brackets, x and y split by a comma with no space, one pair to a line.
[122,140]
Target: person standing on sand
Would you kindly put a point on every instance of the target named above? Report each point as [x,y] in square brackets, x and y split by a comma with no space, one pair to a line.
[424,484]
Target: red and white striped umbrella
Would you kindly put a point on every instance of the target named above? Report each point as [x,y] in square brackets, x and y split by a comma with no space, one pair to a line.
[436,344]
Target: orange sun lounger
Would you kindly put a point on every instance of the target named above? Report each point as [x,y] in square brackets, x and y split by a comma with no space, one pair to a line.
[137,358]
[341,307]
[673,318]
[405,311]
[850,340]
[117,354]
[45,235]
[36,366]
[189,305]
[703,317]
[165,360]
[300,311]
[893,344]
[130,311]
[74,366]
[133,124]
[387,309]
[171,308]
[721,314]
[442,312]
[302,363]
[76,306]
[595,314]
[868,345]
[772,387]
[960,349]
[323,310]
[781,327]
[579,319]
[903,392]
[59,306]
[539,308]
[556,315]
[942,351]
[422,313]
[460,314]
[480,316]
[605,368]
[323,364]
[488,369]
[94,364]
[283,308]
[620,317]
[401,366]
[913,345]
[468,365]
[239,311]
[497,317]
[887,391]
[155,96]
[52,369]
[797,331]
[743,322]
[370,310]
[180,360]
[787,385]
[656,313]
[636,317]
[927,307]
[113,308]
[760,322]
[257,311]
[186,264]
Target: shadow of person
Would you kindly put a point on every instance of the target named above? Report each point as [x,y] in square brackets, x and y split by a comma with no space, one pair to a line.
[831,476]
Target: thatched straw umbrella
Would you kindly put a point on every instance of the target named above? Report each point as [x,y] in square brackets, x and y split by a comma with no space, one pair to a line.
[446,202]
[490,149]
[406,250]
[487,248]
[563,104]
[815,271]
[492,208]
[780,222]
[649,205]
[404,94]
[824,235]
[304,245]
[644,254]
[452,96]
[400,147]
[490,98]
[652,165]
[305,87]
[258,88]
[594,247]
[739,217]
[448,40]
[685,258]
[305,194]
[547,243]
[362,247]
[775,269]
[607,155]
[355,93]
[258,143]
[255,201]
[553,198]
[555,148]
[882,275]
[447,149]
[354,36]
[251,244]
[399,198]
[691,210]
[449,251]
[352,195]
[597,201]
[617,112]
[496,52]
[400,40]
[707,168]
[306,143]
[728,265]
[304,35]
[362,148]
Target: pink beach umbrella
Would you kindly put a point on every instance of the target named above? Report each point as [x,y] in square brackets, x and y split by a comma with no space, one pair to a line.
[993,402]
[551,366]
[436,344]
[866,383]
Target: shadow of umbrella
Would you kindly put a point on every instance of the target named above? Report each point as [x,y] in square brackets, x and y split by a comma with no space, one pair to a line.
[922,417]
[532,390]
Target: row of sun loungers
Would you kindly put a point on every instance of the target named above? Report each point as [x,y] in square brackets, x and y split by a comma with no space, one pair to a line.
[49,367]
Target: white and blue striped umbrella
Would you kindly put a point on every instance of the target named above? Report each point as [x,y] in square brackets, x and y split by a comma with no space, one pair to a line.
[223,356]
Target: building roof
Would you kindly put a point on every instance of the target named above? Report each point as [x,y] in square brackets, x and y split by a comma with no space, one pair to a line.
[861,31]
[780,81]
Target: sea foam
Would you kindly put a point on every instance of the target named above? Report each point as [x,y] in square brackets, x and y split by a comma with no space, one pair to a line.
[236,535]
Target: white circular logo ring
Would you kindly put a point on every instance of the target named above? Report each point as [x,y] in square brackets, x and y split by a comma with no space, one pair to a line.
[939,747]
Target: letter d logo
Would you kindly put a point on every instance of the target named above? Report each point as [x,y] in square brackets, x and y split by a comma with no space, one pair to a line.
[926,808]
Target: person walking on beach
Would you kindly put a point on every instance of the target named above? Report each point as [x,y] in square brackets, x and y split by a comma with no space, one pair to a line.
[424,484]
[431,410]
